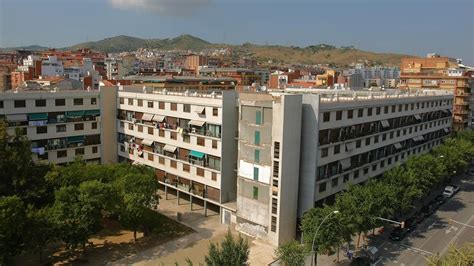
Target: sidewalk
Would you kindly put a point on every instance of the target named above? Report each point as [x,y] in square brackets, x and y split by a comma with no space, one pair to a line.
[195,245]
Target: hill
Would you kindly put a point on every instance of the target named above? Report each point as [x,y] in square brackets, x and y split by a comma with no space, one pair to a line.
[276,54]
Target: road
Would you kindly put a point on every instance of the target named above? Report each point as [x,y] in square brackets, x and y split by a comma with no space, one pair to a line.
[434,235]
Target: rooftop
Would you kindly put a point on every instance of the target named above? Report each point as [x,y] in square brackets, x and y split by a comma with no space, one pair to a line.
[366,95]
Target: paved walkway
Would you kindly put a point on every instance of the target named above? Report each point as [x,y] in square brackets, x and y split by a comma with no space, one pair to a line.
[195,245]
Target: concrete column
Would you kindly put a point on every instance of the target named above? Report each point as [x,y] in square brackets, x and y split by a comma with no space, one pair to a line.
[177,194]
[191,201]
[205,208]
[166,192]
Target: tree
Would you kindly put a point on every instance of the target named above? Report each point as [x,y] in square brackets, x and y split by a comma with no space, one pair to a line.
[40,231]
[12,225]
[292,254]
[20,176]
[403,184]
[428,171]
[463,255]
[138,194]
[230,252]
[77,211]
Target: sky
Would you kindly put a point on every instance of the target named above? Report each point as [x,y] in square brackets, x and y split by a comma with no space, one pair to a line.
[414,27]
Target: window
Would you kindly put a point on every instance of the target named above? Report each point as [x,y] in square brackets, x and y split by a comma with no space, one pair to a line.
[41,130]
[324,152]
[214,176]
[369,111]
[334,182]
[61,154]
[326,116]
[40,103]
[161,105]
[1,104]
[214,143]
[255,193]
[366,170]
[150,104]
[255,173]
[258,118]
[186,167]
[200,141]
[374,167]
[337,149]
[173,135]
[356,174]
[60,102]
[79,126]
[257,138]
[257,156]
[382,163]
[358,143]
[215,111]
[150,131]
[150,157]
[385,110]
[187,108]
[367,141]
[393,108]
[346,178]
[140,102]
[19,103]
[350,114]
[78,101]
[360,112]
[376,139]
[140,128]
[61,128]
[130,126]
[79,151]
[322,187]
[406,107]
[95,149]
[161,133]
[94,125]
[93,101]
[377,111]
[174,106]
[400,107]
[384,137]
[338,115]
[122,100]
[130,101]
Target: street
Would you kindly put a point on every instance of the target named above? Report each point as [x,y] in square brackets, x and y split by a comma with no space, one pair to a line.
[434,235]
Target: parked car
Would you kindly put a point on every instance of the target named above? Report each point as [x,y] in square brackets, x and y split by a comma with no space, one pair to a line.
[398,234]
[440,199]
[450,190]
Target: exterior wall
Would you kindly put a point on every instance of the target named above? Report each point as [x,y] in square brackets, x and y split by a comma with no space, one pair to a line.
[108,101]
[268,165]
[286,131]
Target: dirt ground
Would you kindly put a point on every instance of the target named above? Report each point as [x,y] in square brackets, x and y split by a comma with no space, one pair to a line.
[111,244]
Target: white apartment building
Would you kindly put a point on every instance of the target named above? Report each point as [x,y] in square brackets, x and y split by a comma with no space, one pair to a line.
[61,124]
[337,137]
[52,67]
[187,137]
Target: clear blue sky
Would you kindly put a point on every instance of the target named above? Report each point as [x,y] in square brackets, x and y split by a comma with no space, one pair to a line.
[404,26]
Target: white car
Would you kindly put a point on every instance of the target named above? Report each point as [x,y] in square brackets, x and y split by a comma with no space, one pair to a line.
[449,191]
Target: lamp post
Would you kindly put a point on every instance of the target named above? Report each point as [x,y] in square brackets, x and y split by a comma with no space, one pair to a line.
[315,234]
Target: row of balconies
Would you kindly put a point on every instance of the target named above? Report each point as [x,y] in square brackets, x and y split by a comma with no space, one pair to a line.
[173,166]
[189,141]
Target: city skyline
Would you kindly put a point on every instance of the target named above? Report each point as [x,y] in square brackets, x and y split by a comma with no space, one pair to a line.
[340,23]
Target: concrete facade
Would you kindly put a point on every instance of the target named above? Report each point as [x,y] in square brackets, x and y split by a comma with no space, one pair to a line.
[61,125]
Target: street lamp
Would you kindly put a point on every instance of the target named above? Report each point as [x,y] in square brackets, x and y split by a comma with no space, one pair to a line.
[315,234]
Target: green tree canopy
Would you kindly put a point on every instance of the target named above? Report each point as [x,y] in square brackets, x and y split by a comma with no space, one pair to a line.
[230,252]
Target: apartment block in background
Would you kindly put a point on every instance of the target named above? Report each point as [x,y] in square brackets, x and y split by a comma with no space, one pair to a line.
[442,73]
[60,124]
